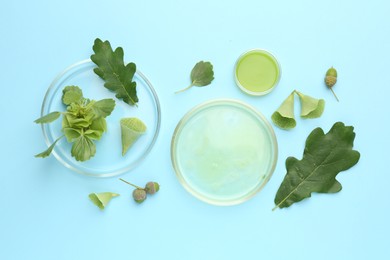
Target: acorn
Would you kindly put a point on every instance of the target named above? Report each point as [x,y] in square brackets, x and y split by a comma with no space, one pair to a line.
[331,79]
[152,187]
[139,195]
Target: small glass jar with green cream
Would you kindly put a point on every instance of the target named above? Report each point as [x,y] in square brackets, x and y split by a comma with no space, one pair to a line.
[257,72]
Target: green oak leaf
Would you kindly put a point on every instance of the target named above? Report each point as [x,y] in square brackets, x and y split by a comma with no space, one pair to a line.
[201,75]
[102,199]
[311,107]
[283,117]
[71,94]
[83,148]
[325,156]
[103,108]
[131,129]
[117,76]
[48,118]
[48,151]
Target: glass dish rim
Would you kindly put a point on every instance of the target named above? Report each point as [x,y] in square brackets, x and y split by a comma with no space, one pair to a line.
[188,187]
[253,93]
[118,172]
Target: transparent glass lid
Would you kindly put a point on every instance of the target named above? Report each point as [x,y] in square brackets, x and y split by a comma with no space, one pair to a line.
[223,151]
[108,160]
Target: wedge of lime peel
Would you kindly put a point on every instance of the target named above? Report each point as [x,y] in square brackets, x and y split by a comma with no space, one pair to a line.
[131,128]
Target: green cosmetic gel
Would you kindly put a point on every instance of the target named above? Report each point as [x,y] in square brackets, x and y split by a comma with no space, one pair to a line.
[223,152]
[257,72]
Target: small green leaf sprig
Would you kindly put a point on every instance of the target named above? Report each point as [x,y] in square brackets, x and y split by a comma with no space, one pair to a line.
[201,75]
[311,107]
[83,122]
[140,194]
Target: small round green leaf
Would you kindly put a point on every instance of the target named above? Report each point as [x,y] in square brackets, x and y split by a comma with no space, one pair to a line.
[71,94]
[202,74]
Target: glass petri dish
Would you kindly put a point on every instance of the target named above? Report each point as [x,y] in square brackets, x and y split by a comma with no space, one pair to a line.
[223,151]
[257,72]
[108,160]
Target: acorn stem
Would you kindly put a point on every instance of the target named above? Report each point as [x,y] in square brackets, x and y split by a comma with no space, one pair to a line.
[135,186]
[334,94]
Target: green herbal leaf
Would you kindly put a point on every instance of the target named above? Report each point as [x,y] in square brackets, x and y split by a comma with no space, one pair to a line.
[99,124]
[103,108]
[93,134]
[47,152]
[82,123]
[131,129]
[48,118]
[71,134]
[283,117]
[325,156]
[70,120]
[311,107]
[102,199]
[201,75]
[72,94]
[83,148]
[111,68]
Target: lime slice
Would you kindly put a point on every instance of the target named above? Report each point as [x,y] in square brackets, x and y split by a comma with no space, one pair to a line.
[132,128]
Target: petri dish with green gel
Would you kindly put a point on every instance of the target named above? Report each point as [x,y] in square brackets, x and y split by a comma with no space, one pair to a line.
[257,72]
[223,151]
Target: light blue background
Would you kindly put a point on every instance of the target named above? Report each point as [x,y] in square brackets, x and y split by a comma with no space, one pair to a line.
[44,209]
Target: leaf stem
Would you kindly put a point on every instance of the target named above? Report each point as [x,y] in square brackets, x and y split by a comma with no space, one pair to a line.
[135,186]
[275,208]
[184,89]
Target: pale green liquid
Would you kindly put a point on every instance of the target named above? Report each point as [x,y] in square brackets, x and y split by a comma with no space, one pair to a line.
[224,152]
[257,71]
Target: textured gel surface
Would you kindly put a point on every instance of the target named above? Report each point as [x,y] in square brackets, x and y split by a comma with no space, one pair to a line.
[224,152]
[257,71]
